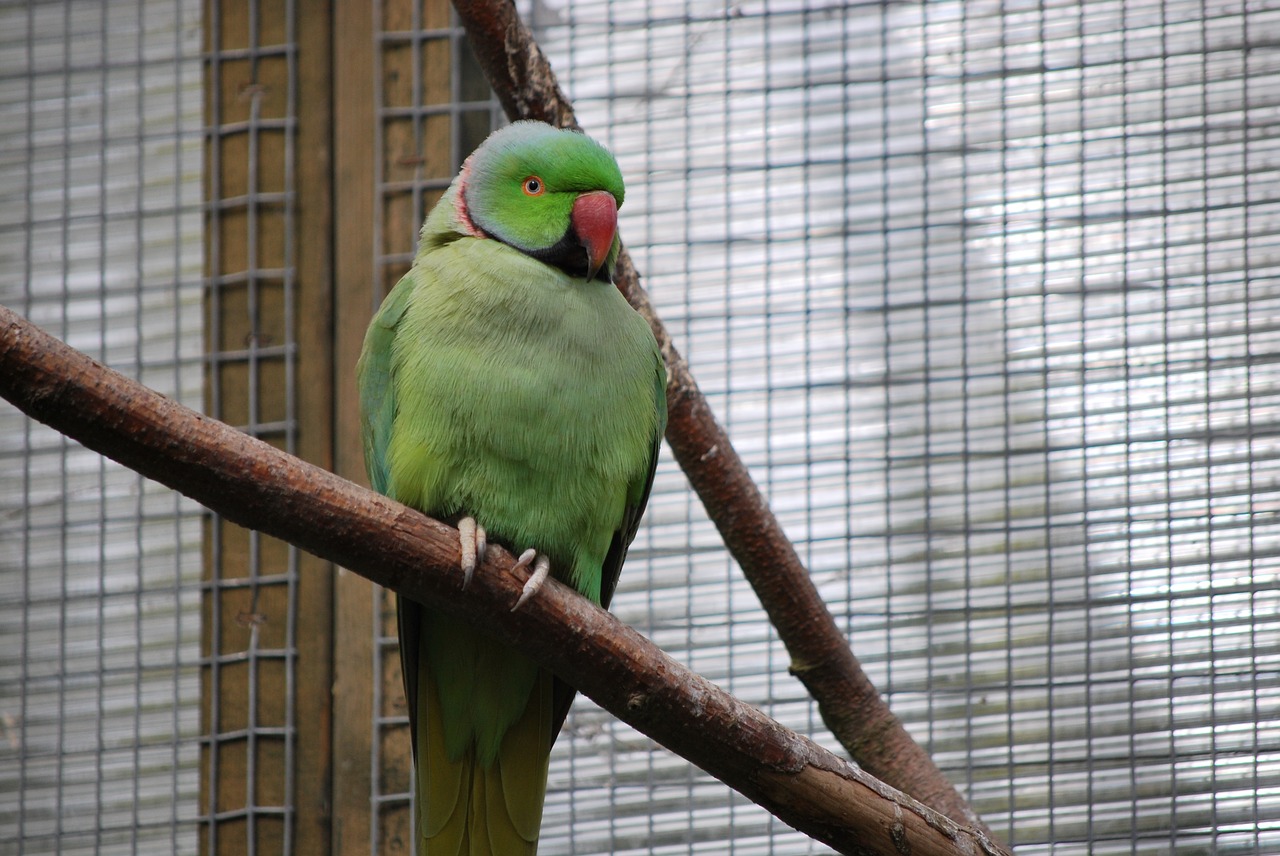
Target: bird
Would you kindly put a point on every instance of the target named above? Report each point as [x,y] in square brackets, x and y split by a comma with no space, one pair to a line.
[508,387]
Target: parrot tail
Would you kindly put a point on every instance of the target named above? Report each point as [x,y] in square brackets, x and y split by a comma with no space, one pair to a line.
[467,808]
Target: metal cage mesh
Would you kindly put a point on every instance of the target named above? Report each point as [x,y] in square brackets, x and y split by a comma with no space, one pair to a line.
[985,294]
[261,620]
[431,109]
[100,237]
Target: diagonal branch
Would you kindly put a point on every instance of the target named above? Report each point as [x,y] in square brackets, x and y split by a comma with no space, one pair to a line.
[820,655]
[257,485]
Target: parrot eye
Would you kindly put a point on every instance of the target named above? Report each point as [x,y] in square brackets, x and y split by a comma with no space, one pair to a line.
[533,186]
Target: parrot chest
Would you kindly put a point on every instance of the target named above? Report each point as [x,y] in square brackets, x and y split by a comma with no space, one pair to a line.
[531,411]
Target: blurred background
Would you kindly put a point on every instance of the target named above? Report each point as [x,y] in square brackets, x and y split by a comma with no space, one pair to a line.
[985,293]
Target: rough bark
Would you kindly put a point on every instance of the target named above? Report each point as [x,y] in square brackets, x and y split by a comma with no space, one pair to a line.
[821,657]
[256,485]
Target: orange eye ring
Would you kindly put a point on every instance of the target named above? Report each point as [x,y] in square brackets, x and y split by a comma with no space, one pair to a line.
[533,186]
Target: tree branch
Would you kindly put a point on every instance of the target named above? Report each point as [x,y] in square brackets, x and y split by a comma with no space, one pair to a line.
[820,655]
[256,485]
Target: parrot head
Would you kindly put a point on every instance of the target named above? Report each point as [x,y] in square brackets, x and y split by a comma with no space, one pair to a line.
[550,193]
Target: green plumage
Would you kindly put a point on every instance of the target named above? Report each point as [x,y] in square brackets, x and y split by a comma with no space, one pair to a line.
[498,382]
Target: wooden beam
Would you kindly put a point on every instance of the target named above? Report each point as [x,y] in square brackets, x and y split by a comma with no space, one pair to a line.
[312,237]
[356,294]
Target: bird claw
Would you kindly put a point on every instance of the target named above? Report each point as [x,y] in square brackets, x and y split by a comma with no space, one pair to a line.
[541,570]
[472,542]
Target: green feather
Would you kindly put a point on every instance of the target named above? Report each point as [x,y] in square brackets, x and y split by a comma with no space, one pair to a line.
[496,386]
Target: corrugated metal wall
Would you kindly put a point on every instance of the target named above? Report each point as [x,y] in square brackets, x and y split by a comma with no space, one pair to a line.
[101,244]
[986,293]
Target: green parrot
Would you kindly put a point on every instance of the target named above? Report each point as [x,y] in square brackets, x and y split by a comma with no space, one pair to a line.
[508,387]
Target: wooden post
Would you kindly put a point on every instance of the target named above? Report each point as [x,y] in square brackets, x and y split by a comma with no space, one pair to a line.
[355,295]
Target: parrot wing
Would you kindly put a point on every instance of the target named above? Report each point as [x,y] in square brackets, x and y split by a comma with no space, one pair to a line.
[637,499]
[374,380]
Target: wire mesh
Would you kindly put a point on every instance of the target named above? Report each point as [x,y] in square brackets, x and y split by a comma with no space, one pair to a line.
[251,582]
[100,238]
[985,294]
[433,107]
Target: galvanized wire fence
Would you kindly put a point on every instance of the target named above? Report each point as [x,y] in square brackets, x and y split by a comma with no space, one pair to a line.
[986,295]
[100,242]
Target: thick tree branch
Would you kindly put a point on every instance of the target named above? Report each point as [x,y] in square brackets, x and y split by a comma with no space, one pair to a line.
[254,484]
[820,655]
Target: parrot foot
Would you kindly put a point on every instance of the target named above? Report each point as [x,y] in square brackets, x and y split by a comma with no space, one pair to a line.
[472,542]
[541,570]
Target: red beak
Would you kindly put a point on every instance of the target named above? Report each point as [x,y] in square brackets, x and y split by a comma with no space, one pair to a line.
[595,222]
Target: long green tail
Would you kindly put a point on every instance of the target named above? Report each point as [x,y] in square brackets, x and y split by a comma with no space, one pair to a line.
[467,807]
